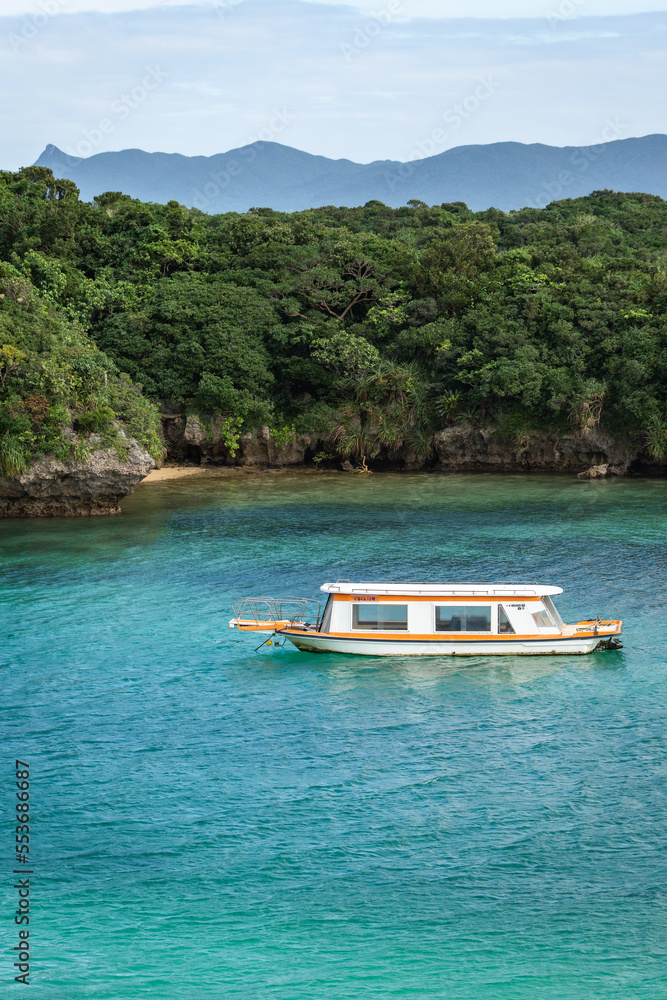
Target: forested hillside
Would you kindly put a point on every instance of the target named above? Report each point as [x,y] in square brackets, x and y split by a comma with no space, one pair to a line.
[381,325]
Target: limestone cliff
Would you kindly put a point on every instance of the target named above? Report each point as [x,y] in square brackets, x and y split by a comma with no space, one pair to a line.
[457,448]
[192,438]
[463,448]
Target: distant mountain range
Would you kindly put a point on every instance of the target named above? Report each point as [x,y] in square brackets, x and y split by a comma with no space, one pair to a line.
[504,175]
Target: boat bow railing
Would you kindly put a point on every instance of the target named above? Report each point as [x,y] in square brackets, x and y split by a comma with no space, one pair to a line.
[262,613]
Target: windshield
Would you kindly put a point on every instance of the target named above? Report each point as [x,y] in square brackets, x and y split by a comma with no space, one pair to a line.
[551,608]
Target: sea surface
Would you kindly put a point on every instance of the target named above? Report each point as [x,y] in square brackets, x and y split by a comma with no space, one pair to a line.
[212,821]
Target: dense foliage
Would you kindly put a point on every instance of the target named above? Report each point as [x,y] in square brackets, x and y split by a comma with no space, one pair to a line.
[384,324]
[59,394]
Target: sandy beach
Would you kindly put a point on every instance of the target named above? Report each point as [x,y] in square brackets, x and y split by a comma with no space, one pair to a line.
[175,472]
[181,471]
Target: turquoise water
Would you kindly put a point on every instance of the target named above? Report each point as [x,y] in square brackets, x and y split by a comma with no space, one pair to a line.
[210,821]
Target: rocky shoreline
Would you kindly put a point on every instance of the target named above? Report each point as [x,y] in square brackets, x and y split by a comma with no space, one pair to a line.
[54,488]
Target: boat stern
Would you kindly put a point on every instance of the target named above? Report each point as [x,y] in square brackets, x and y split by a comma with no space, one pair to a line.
[600,634]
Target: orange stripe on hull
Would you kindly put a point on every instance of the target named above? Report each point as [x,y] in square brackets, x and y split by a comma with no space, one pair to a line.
[460,636]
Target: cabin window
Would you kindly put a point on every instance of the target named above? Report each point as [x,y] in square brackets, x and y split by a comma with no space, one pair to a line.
[325,625]
[463,619]
[504,624]
[372,617]
[543,619]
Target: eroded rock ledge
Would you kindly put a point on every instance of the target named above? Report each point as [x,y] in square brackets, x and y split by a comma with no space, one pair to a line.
[470,449]
[193,439]
[53,488]
[591,453]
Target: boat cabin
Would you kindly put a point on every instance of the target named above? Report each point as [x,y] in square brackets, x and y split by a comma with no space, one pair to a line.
[481,609]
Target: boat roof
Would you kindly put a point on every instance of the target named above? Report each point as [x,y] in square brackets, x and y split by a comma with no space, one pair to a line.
[391,588]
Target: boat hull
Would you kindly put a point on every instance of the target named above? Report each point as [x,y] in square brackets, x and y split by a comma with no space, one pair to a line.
[317,642]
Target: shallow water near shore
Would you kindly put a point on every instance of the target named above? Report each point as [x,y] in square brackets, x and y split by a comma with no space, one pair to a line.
[211,821]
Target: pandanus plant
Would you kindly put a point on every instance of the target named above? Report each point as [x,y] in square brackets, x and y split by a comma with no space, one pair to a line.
[391,407]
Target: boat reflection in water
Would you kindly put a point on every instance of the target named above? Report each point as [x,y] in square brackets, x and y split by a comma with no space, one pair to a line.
[427,619]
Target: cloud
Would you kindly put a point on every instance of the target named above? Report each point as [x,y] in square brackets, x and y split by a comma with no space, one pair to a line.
[331,79]
[432,9]
[495,9]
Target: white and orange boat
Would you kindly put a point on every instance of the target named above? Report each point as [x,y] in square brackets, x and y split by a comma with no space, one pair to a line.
[427,619]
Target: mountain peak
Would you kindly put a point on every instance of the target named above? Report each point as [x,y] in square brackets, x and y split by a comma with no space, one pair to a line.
[52,151]
[53,155]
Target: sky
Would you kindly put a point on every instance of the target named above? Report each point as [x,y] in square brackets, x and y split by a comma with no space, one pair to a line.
[394,79]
